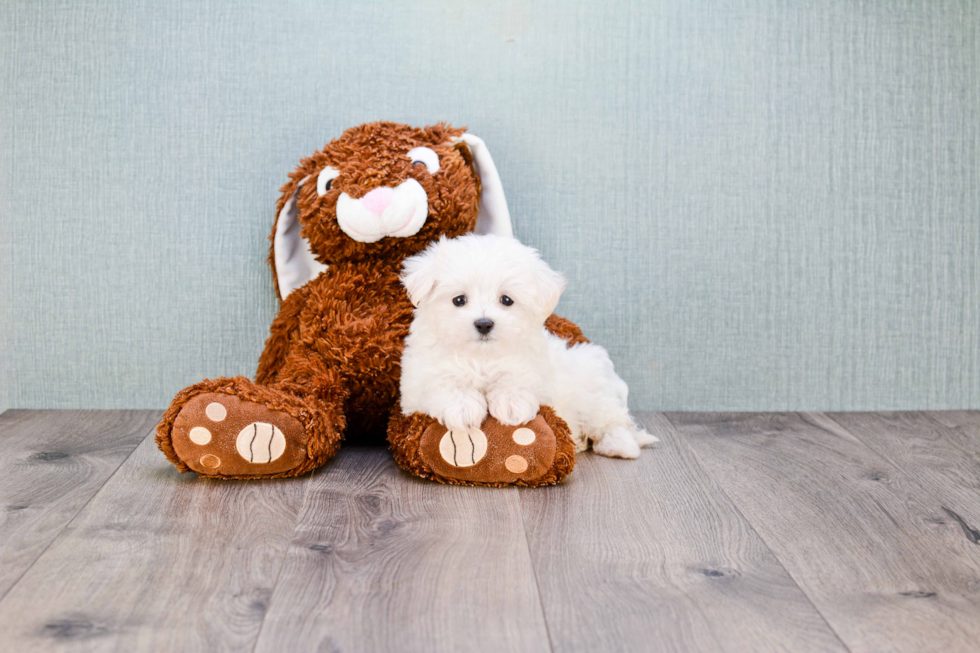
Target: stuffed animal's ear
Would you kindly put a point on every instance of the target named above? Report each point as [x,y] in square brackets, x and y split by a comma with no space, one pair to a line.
[493,218]
[291,254]
[419,273]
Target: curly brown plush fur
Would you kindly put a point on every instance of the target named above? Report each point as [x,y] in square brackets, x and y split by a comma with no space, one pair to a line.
[565,329]
[332,359]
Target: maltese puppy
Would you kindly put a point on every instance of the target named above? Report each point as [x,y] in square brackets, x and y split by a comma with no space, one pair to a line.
[478,344]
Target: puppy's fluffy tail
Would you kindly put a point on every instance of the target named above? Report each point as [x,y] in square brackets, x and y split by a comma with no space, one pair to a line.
[623,441]
[642,437]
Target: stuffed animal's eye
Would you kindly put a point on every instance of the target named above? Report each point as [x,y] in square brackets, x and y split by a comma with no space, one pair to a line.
[505,300]
[426,157]
[325,181]
[459,300]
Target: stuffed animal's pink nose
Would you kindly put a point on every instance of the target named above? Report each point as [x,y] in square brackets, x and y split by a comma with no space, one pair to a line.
[378,199]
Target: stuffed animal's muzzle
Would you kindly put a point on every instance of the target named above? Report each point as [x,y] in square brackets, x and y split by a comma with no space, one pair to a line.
[398,212]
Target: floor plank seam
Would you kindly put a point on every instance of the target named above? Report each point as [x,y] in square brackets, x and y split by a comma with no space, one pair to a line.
[534,569]
[738,509]
[285,554]
[75,516]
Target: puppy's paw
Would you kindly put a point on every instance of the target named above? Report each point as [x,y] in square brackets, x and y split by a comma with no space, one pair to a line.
[618,443]
[464,412]
[513,407]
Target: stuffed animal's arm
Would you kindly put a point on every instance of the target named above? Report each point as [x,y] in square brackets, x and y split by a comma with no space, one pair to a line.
[565,329]
[281,334]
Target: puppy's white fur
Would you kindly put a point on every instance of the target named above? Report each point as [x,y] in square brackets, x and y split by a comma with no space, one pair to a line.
[456,374]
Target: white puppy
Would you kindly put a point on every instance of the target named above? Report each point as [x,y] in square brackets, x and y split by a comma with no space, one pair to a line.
[478,344]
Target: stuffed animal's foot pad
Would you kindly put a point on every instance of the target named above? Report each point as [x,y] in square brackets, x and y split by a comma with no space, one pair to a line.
[219,434]
[463,449]
[494,454]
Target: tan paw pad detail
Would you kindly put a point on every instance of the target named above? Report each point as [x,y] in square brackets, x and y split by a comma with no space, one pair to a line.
[211,461]
[200,435]
[215,411]
[515,464]
[524,436]
[461,449]
[260,443]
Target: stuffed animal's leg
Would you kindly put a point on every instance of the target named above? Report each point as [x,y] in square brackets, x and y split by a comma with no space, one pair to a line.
[281,335]
[233,428]
[539,452]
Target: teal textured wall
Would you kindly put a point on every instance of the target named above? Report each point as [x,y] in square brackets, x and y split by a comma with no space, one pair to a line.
[759,205]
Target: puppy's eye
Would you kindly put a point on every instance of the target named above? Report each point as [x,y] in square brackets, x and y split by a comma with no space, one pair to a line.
[325,180]
[505,300]
[459,300]
[426,157]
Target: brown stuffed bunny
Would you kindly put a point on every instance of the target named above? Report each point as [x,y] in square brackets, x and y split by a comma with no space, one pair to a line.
[348,217]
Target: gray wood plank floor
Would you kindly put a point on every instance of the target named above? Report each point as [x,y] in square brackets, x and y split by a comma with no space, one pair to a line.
[739,532]
[385,561]
[51,464]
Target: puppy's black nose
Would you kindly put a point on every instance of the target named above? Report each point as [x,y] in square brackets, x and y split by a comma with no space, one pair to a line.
[483,325]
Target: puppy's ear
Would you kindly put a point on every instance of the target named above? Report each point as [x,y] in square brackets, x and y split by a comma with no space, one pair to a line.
[548,285]
[418,273]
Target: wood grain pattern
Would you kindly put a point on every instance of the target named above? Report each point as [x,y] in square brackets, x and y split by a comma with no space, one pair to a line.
[964,422]
[651,555]
[868,544]
[964,431]
[944,458]
[739,532]
[157,561]
[384,561]
[51,463]
[964,434]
